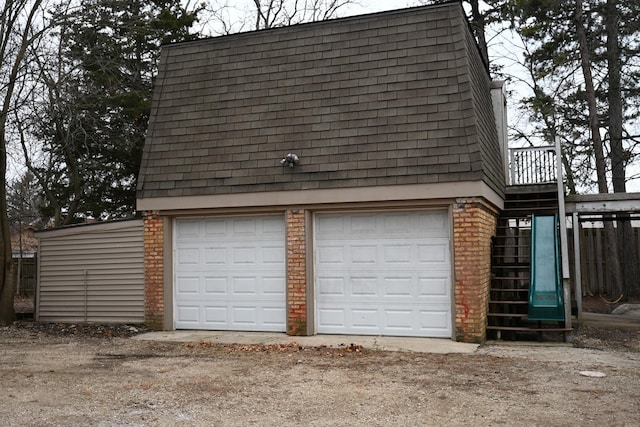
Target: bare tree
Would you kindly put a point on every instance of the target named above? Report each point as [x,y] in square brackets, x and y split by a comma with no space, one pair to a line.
[235,16]
[17,33]
[278,13]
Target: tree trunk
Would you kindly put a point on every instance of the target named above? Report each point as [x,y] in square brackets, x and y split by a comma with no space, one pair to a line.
[11,13]
[615,274]
[629,256]
[615,98]
[7,278]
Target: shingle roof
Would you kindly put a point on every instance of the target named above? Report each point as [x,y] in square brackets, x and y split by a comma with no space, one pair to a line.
[398,97]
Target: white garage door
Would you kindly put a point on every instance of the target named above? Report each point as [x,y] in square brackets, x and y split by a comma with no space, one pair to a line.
[230,274]
[383,273]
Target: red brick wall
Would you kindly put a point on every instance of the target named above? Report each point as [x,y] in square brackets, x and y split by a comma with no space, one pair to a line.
[154,270]
[296,273]
[474,223]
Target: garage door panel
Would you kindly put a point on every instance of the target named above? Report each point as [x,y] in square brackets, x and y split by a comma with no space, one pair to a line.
[230,274]
[188,285]
[436,323]
[397,254]
[215,315]
[272,316]
[364,254]
[331,226]
[363,318]
[273,227]
[434,253]
[331,254]
[331,286]
[188,256]
[433,286]
[363,225]
[398,287]
[213,228]
[433,224]
[383,273]
[246,255]
[215,256]
[273,286]
[397,224]
[244,316]
[245,286]
[215,285]
[331,318]
[245,226]
[187,228]
[273,255]
[188,313]
[399,319]
[364,286]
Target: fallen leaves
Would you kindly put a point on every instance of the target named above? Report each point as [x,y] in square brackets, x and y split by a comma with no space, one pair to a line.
[292,347]
[81,329]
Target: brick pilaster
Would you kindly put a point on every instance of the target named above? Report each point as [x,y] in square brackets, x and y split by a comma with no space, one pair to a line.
[474,223]
[296,273]
[154,270]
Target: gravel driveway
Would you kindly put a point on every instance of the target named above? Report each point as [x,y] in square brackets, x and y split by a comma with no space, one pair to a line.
[104,379]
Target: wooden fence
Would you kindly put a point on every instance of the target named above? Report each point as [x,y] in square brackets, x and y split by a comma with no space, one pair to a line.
[594,260]
[25,270]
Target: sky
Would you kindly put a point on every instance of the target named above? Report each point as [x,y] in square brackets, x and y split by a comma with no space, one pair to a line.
[370,6]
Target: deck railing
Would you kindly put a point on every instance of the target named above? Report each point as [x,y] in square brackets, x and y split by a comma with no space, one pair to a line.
[532,165]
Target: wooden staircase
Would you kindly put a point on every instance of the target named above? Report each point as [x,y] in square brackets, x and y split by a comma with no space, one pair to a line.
[509,292]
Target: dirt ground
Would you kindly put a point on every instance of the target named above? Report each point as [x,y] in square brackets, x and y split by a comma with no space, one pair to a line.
[78,375]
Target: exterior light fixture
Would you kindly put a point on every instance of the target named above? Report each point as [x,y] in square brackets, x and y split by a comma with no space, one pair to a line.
[290,160]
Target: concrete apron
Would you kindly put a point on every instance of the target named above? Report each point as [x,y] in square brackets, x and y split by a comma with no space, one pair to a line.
[408,344]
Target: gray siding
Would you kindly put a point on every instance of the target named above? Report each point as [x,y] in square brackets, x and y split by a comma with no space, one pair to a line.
[488,149]
[384,99]
[92,273]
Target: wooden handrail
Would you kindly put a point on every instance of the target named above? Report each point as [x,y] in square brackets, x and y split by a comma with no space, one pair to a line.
[532,165]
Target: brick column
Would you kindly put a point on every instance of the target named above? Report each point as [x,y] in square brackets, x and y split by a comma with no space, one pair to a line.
[296,273]
[153,270]
[474,223]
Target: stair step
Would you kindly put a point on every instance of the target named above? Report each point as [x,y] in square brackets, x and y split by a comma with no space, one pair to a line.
[525,211]
[520,315]
[509,302]
[516,258]
[514,266]
[546,199]
[527,329]
[531,202]
[538,212]
[504,265]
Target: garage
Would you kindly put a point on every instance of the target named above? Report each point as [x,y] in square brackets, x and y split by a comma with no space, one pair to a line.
[383,273]
[229,273]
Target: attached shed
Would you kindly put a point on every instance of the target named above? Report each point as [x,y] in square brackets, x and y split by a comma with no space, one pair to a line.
[92,273]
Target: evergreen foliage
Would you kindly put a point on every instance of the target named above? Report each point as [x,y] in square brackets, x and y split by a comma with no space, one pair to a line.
[95,113]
